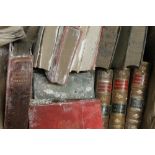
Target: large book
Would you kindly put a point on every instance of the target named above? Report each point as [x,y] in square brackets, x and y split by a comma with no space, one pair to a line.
[78,86]
[63,57]
[119,98]
[107,46]
[136,46]
[103,92]
[74,114]
[137,96]
[45,46]
[130,47]
[10,34]
[90,49]
[4,52]
[19,85]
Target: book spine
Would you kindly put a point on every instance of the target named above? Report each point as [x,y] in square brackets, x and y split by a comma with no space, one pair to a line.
[103,92]
[4,53]
[137,96]
[119,98]
[18,92]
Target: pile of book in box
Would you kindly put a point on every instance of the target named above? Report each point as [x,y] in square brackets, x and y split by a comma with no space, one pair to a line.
[73,77]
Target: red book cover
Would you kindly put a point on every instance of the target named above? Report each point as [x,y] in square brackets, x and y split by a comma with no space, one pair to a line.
[74,114]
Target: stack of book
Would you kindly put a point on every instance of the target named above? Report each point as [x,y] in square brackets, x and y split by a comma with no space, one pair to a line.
[73,76]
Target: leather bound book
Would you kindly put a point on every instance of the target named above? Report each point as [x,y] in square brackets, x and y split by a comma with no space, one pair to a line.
[79,51]
[4,52]
[137,96]
[9,34]
[64,55]
[103,92]
[73,114]
[45,46]
[78,86]
[119,98]
[107,46]
[19,85]
[90,49]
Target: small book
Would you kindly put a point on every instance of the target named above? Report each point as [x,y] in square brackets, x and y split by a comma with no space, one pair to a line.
[119,98]
[19,85]
[73,114]
[137,96]
[103,92]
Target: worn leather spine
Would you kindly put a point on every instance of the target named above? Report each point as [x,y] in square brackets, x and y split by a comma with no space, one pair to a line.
[4,52]
[119,98]
[137,96]
[19,85]
[103,92]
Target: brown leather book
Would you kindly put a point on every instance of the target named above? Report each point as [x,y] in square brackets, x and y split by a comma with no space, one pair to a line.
[103,92]
[137,96]
[4,52]
[19,85]
[119,98]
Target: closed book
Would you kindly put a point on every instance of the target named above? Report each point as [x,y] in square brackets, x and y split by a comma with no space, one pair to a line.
[80,48]
[63,57]
[136,46]
[45,46]
[137,96]
[107,46]
[119,98]
[90,49]
[103,92]
[4,53]
[74,114]
[19,85]
[10,34]
[121,47]
[78,86]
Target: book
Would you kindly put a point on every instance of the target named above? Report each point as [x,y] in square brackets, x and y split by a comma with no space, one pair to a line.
[10,34]
[119,98]
[78,86]
[90,49]
[121,47]
[103,92]
[19,85]
[80,48]
[61,67]
[136,46]
[45,46]
[137,96]
[73,114]
[107,46]
[4,52]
